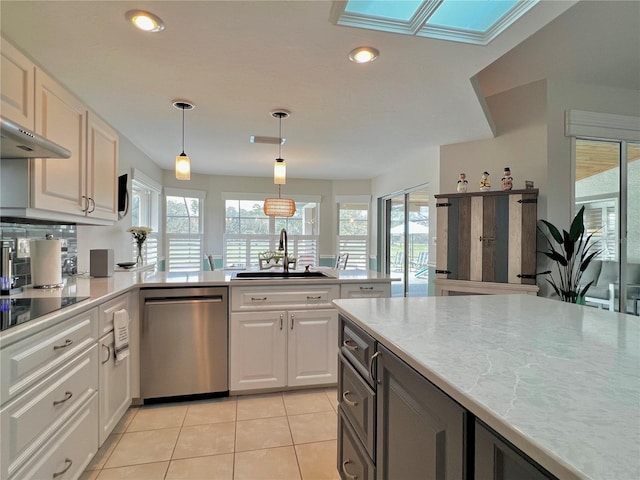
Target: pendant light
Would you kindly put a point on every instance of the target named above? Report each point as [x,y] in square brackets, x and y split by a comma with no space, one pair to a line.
[183,162]
[279,207]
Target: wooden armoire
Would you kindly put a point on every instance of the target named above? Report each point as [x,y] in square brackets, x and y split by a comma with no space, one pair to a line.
[486,242]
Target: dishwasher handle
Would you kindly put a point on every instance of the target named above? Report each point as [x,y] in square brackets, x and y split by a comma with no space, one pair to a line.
[183,300]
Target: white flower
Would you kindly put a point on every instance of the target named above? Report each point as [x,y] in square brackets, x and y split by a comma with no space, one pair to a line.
[140,233]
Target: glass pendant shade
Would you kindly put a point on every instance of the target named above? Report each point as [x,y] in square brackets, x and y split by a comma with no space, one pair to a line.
[183,167]
[279,172]
[279,207]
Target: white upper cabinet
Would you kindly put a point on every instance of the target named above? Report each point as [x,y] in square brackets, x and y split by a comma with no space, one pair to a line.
[17,94]
[102,169]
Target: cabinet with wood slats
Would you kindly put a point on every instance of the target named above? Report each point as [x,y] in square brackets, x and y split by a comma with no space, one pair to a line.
[486,242]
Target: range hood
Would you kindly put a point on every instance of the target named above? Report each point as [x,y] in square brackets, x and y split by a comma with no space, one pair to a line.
[19,142]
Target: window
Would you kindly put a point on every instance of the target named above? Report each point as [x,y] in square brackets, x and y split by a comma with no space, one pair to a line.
[249,232]
[353,230]
[184,229]
[145,212]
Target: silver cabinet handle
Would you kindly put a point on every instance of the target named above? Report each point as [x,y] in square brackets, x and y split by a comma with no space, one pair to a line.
[349,344]
[108,353]
[281,320]
[67,396]
[371,376]
[292,320]
[67,342]
[366,288]
[258,299]
[317,297]
[344,470]
[92,204]
[351,403]
[68,462]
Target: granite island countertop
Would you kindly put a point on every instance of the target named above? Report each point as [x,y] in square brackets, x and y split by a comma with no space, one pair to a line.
[561,382]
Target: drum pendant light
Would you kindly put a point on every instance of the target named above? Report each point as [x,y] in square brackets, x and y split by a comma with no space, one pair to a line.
[279,207]
[183,162]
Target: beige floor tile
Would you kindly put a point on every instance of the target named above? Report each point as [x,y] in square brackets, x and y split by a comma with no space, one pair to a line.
[260,406]
[144,447]
[147,471]
[313,427]
[332,393]
[306,401]
[318,460]
[126,419]
[267,464]
[157,416]
[211,411]
[262,433]
[215,467]
[98,461]
[209,439]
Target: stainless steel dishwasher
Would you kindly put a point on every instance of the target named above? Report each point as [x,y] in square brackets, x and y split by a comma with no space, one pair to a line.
[184,342]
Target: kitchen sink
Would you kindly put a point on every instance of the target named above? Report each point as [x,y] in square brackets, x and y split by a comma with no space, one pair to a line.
[278,275]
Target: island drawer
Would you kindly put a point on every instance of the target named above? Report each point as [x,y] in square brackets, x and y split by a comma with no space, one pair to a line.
[269,298]
[30,360]
[358,402]
[353,461]
[365,290]
[358,347]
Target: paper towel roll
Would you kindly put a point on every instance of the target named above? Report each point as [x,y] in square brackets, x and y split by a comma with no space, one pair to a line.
[46,268]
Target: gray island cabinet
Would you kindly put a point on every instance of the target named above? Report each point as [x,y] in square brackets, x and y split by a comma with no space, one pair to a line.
[486,387]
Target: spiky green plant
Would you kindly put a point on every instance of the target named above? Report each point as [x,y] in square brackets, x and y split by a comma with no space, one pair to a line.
[573,256]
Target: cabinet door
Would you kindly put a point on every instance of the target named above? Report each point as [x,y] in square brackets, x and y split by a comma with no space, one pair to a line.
[420,430]
[115,387]
[59,184]
[312,347]
[102,169]
[17,85]
[257,350]
[495,459]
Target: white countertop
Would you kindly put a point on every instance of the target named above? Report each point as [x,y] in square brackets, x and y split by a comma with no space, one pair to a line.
[559,381]
[104,288]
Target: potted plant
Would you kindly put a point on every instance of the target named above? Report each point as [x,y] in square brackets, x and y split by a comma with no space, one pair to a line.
[572,252]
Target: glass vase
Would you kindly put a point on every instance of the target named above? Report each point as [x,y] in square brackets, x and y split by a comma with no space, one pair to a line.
[139,257]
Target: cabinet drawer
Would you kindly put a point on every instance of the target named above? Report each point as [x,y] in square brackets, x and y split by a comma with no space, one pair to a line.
[357,401]
[107,310]
[358,347]
[365,290]
[40,412]
[26,362]
[353,462]
[262,298]
[70,450]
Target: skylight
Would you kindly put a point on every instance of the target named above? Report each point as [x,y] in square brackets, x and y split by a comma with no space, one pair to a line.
[469,21]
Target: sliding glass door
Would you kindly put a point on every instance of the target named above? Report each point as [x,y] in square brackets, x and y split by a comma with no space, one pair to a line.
[607,184]
[406,240]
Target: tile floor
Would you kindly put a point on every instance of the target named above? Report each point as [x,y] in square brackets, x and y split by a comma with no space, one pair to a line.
[279,436]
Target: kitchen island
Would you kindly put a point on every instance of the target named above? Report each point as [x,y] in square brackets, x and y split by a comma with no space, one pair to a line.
[559,382]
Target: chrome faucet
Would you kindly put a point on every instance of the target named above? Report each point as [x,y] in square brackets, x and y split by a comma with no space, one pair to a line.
[282,245]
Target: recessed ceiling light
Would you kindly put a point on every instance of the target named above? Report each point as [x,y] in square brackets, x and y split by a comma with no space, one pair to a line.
[363,54]
[145,21]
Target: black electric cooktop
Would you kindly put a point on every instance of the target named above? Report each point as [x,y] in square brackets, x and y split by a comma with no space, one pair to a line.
[16,311]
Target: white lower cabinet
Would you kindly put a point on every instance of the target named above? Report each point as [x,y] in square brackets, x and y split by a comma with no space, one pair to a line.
[68,452]
[278,349]
[115,387]
[283,348]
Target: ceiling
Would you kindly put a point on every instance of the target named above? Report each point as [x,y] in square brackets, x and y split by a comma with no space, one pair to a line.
[237,61]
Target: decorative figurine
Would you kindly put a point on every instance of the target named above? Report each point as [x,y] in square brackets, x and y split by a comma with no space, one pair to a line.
[507,181]
[462,183]
[485,182]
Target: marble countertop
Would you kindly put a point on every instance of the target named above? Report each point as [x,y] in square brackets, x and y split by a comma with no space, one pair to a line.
[561,382]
